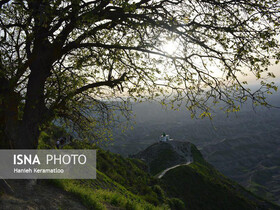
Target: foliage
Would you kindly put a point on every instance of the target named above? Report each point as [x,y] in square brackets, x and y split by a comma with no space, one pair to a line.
[88,199]
[176,204]
[96,198]
[44,141]
[78,60]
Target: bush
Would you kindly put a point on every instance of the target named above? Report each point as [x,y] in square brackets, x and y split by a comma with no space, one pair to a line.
[44,141]
[176,204]
[159,191]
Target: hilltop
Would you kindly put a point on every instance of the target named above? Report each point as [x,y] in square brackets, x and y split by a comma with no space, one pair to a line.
[162,155]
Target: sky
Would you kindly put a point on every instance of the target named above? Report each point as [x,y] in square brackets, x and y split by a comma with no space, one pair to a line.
[171,47]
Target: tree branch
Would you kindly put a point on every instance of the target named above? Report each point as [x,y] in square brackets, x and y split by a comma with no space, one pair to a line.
[3,2]
[108,83]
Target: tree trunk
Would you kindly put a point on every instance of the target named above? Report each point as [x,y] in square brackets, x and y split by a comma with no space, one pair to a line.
[15,133]
[8,114]
[24,133]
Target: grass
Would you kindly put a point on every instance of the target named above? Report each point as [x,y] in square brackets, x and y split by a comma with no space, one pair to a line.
[165,156]
[201,186]
[200,192]
[88,199]
[120,182]
[100,198]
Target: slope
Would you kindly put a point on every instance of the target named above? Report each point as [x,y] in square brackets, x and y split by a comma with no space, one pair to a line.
[199,185]
[126,183]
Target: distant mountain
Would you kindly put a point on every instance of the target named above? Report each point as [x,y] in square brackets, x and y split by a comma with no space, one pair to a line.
[253,161]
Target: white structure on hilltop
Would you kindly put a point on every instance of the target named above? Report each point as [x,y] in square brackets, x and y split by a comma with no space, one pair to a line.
[164,138]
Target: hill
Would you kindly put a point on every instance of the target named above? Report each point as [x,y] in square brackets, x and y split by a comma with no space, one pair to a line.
[125,183]
[162,155]
[199,185]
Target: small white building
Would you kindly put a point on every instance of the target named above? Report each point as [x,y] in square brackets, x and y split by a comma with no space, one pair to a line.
[164,138]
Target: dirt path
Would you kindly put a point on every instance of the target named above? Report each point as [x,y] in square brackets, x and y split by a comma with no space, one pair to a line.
[168,169]
[38,196]
[179,151]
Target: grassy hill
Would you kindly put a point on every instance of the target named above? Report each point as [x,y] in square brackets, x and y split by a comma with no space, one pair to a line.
[120,182]
[160,156]
[127,184]
[200,186]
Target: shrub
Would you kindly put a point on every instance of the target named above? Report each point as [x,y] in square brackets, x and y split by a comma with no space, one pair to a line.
[176,204]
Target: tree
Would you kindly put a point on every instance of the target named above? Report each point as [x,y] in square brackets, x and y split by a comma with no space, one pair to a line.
[62,58]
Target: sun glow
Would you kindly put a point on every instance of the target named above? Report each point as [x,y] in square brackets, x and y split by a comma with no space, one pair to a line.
[170,47]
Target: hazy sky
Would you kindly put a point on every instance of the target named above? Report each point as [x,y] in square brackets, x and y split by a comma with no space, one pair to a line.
[251,79]
[171,47]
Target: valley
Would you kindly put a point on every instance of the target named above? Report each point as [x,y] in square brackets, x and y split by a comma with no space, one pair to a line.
[244,146]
